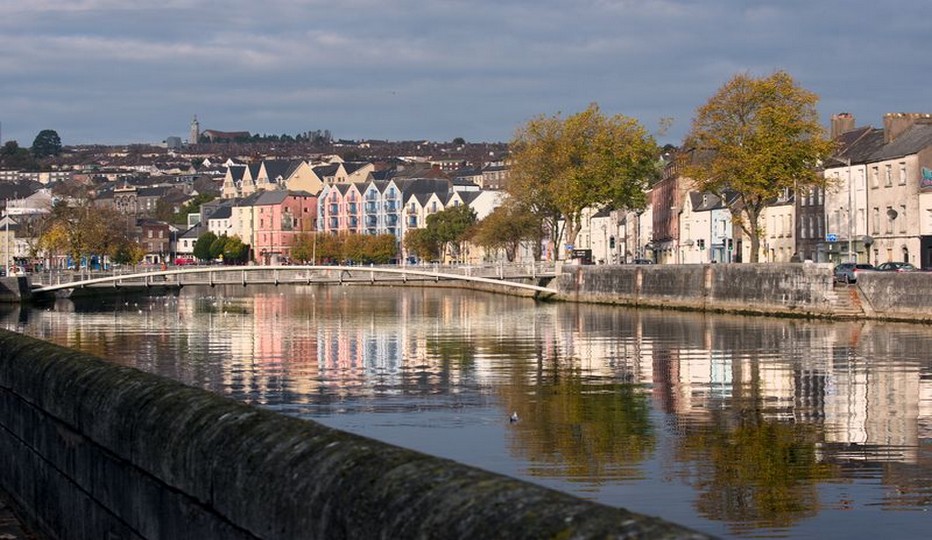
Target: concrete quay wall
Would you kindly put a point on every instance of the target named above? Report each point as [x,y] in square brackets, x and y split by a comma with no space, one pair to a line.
[787,289]
[93,450]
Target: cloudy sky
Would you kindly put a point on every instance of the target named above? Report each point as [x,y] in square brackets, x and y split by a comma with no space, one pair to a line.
[118,71]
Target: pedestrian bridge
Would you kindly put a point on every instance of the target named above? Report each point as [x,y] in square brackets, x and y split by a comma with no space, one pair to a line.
[527,277]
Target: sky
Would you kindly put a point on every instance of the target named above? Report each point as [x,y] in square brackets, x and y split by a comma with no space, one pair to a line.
[131,71]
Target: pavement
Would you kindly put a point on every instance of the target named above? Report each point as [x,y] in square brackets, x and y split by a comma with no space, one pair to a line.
[11,528]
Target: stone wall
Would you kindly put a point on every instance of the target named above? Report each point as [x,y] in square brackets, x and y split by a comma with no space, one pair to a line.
[899,296]
[93,450]
[792,289]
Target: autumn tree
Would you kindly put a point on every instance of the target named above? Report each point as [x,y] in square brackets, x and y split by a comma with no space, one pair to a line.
[303,249]
[422,244]
[506,228]
[562,166]
[758,138]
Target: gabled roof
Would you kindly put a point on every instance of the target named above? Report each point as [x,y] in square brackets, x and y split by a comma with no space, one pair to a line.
[326,170]
[859,144]
[277,168]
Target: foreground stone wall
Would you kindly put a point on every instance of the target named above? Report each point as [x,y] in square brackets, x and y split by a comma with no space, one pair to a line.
[93,450]
[792,289]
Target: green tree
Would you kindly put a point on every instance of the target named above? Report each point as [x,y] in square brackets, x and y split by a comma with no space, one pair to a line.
[14,157]
[560,167]
[758,138]
[451,228]
[234,250]
[506,228]
[217,247]
[47,143]
[202,246]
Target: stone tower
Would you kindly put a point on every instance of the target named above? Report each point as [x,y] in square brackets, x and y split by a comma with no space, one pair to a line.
[195,135]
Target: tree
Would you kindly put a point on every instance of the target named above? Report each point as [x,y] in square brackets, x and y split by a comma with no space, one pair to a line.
[422,244]
[47,143]
[234,250]
[217,247]
[303,249]
[561,166]
[381,248]
[507,227]
[451,228]
[202,246]
[759,139]
[14,157]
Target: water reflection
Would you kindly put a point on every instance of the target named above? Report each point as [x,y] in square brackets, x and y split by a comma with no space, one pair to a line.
[736,426]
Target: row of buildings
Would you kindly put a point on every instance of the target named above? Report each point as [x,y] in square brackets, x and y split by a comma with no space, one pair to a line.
[876,207]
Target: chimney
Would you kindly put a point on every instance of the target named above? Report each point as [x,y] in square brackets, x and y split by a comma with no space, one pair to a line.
[894,124]
[841,123]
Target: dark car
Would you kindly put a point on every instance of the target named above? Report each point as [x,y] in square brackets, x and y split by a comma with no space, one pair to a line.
[848,272]
[642,261]
[896,267]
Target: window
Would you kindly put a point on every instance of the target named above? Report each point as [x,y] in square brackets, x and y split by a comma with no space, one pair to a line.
[889,228]
[875,177]
[902,174]
[902,218]
[875,221]
[888,176]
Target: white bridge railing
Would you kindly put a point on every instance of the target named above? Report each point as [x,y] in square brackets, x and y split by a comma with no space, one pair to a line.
[498,274]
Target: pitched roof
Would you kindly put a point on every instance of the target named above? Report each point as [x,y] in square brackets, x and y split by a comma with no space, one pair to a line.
[915,139]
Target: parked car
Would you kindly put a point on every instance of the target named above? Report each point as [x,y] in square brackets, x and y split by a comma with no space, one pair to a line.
[642,261]
[896,267]
[848,272]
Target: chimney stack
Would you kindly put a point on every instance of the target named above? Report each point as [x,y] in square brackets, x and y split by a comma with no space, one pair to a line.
[894,124]
[841,123]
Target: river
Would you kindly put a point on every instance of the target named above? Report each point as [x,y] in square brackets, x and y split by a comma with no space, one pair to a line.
[739,427]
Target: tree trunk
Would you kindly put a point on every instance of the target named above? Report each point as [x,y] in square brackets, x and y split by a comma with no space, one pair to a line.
[753,232]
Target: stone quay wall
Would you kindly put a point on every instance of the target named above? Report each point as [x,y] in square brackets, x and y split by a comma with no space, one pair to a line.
[93,450]
[905,296]
[800,289]
[785,289]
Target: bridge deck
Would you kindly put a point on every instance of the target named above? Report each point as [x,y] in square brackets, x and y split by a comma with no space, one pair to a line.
[514,276]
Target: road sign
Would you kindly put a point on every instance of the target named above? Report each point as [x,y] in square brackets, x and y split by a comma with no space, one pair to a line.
[831,237]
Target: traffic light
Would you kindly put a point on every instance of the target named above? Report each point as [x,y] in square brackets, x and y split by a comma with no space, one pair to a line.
[701,243]
[611,242]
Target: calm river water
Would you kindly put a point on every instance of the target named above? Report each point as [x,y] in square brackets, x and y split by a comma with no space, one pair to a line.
[738,427]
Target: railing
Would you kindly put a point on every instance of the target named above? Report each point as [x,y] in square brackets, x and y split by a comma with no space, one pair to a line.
[498,274]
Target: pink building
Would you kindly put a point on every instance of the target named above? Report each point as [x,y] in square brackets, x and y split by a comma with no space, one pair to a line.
[278,217]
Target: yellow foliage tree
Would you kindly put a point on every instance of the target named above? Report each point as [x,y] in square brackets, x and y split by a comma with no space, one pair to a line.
[756,138]
[561,166]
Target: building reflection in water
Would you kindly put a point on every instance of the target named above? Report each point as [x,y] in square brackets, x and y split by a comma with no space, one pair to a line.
[756,415]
